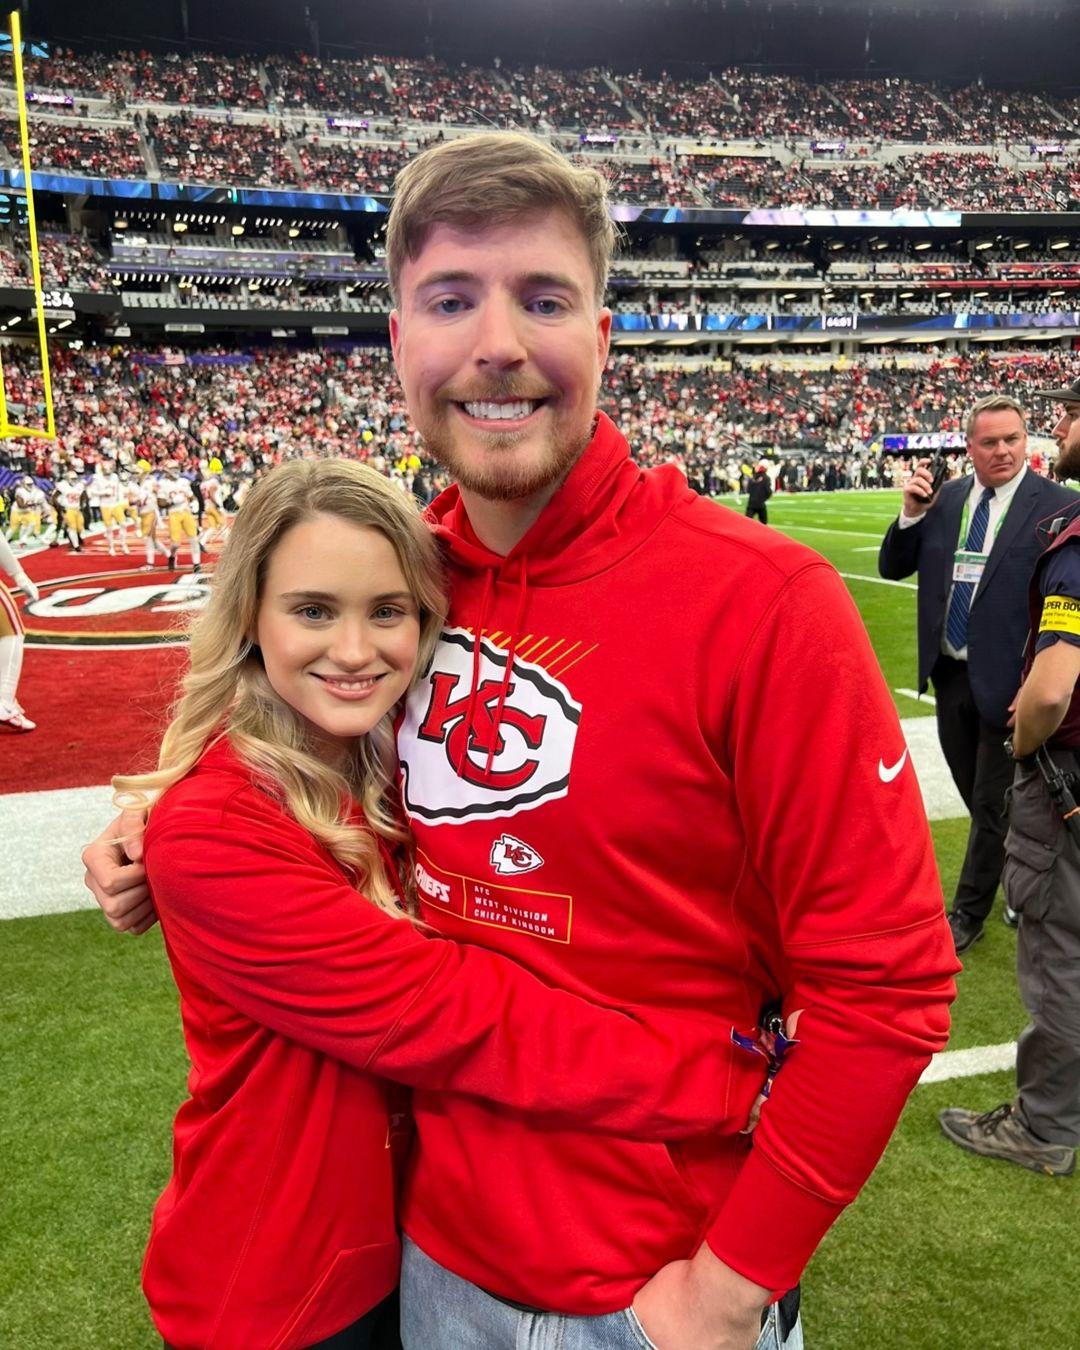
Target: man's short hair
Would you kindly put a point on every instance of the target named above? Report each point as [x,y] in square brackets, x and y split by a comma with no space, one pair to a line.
[493,178]
[993,403]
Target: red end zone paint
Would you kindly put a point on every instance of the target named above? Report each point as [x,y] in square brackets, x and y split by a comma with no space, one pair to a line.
[98,678]
[114,607]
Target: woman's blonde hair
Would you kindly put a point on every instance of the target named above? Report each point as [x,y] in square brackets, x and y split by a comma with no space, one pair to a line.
[226,691]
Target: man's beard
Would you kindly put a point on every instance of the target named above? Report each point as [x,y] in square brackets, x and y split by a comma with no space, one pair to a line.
[505,482]
[1067,464]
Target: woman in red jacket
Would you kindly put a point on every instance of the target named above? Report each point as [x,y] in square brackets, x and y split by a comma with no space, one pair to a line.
[307,990]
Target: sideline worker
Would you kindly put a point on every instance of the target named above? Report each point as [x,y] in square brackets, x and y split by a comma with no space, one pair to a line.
[1041,1128]
[974,544]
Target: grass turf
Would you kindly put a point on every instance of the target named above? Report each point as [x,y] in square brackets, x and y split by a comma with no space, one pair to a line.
[93,1069]
[941,1250]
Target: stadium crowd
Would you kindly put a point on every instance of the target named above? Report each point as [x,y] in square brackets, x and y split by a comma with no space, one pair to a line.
[99,151]
[729,104]
[351,168]
[204,81]
[197,149]
[254,408]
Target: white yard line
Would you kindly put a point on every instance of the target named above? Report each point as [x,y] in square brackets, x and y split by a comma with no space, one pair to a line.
[819,529]
[968,1063]
[919,698]
[881,581]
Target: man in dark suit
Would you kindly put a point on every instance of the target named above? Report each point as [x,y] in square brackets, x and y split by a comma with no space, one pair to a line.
[974,544]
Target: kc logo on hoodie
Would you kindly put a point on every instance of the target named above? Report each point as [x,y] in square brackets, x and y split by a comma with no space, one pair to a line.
[487,746]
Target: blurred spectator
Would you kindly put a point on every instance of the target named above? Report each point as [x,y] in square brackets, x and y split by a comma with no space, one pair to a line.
[196,149]
[204,81]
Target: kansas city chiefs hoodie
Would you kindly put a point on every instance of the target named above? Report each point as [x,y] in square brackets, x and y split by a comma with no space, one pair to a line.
[655,759]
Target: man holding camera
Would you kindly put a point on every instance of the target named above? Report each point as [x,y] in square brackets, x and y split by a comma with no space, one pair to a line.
[1041,1128]
[974,543]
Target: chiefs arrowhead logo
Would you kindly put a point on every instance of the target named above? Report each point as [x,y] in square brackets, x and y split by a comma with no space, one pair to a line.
[509,856]
[469,751]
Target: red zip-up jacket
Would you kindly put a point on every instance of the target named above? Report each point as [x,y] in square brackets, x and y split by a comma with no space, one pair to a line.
[298,996]
[655,757]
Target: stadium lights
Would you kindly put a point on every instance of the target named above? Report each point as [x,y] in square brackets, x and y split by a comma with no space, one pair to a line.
[979,295]
[923,244]
[120,223]
[771,244]
[984,244]
[883,243]
[906,295]
[1055,294]
[179,226]
[836,244]
[294,233]
[1059,243]
[943,295]
[1021,243]
[239,229]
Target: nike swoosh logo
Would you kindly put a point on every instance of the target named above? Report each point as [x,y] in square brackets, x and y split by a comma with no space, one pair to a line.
[887,775]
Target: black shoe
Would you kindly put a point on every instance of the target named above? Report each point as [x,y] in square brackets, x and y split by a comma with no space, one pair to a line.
[965,932]
[1010,916]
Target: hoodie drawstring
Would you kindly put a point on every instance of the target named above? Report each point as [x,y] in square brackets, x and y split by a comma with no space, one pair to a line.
[474,689]
[511,652]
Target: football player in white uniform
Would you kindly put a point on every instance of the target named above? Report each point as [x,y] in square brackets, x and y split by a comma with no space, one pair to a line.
[69,494]
[143,495]
[113,507]
[12,716]
[180,503]
[213,510]
[27,510]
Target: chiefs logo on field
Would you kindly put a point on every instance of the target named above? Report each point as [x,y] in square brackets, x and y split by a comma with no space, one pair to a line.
[444,760]
[510,857]
[114,609]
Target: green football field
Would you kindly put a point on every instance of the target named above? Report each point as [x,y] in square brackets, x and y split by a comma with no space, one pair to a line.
[941,1252]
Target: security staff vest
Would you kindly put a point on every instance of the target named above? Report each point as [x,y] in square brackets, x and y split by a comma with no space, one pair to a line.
[1068,734]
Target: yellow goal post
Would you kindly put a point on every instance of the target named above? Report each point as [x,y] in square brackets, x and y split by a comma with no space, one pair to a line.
[9,429]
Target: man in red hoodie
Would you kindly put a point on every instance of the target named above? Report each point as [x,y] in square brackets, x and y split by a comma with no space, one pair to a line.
[654,754]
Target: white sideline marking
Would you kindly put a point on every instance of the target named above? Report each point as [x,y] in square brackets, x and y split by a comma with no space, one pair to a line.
[46,875]
[43,873]
[967,1063]
[919,698]
[940,797]
[881,581]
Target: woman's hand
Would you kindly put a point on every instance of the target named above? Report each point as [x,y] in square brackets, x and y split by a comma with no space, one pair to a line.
[116,877]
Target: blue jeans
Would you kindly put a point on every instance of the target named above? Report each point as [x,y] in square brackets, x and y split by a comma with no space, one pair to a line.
[440,1311]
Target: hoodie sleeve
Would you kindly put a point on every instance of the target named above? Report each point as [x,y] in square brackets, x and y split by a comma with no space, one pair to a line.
[838,837]
[255,912]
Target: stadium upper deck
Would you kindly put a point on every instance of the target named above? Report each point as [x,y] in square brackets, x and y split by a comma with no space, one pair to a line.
[733,104]
[345,125]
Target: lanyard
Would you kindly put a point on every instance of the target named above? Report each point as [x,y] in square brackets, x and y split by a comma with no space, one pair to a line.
[961,543]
